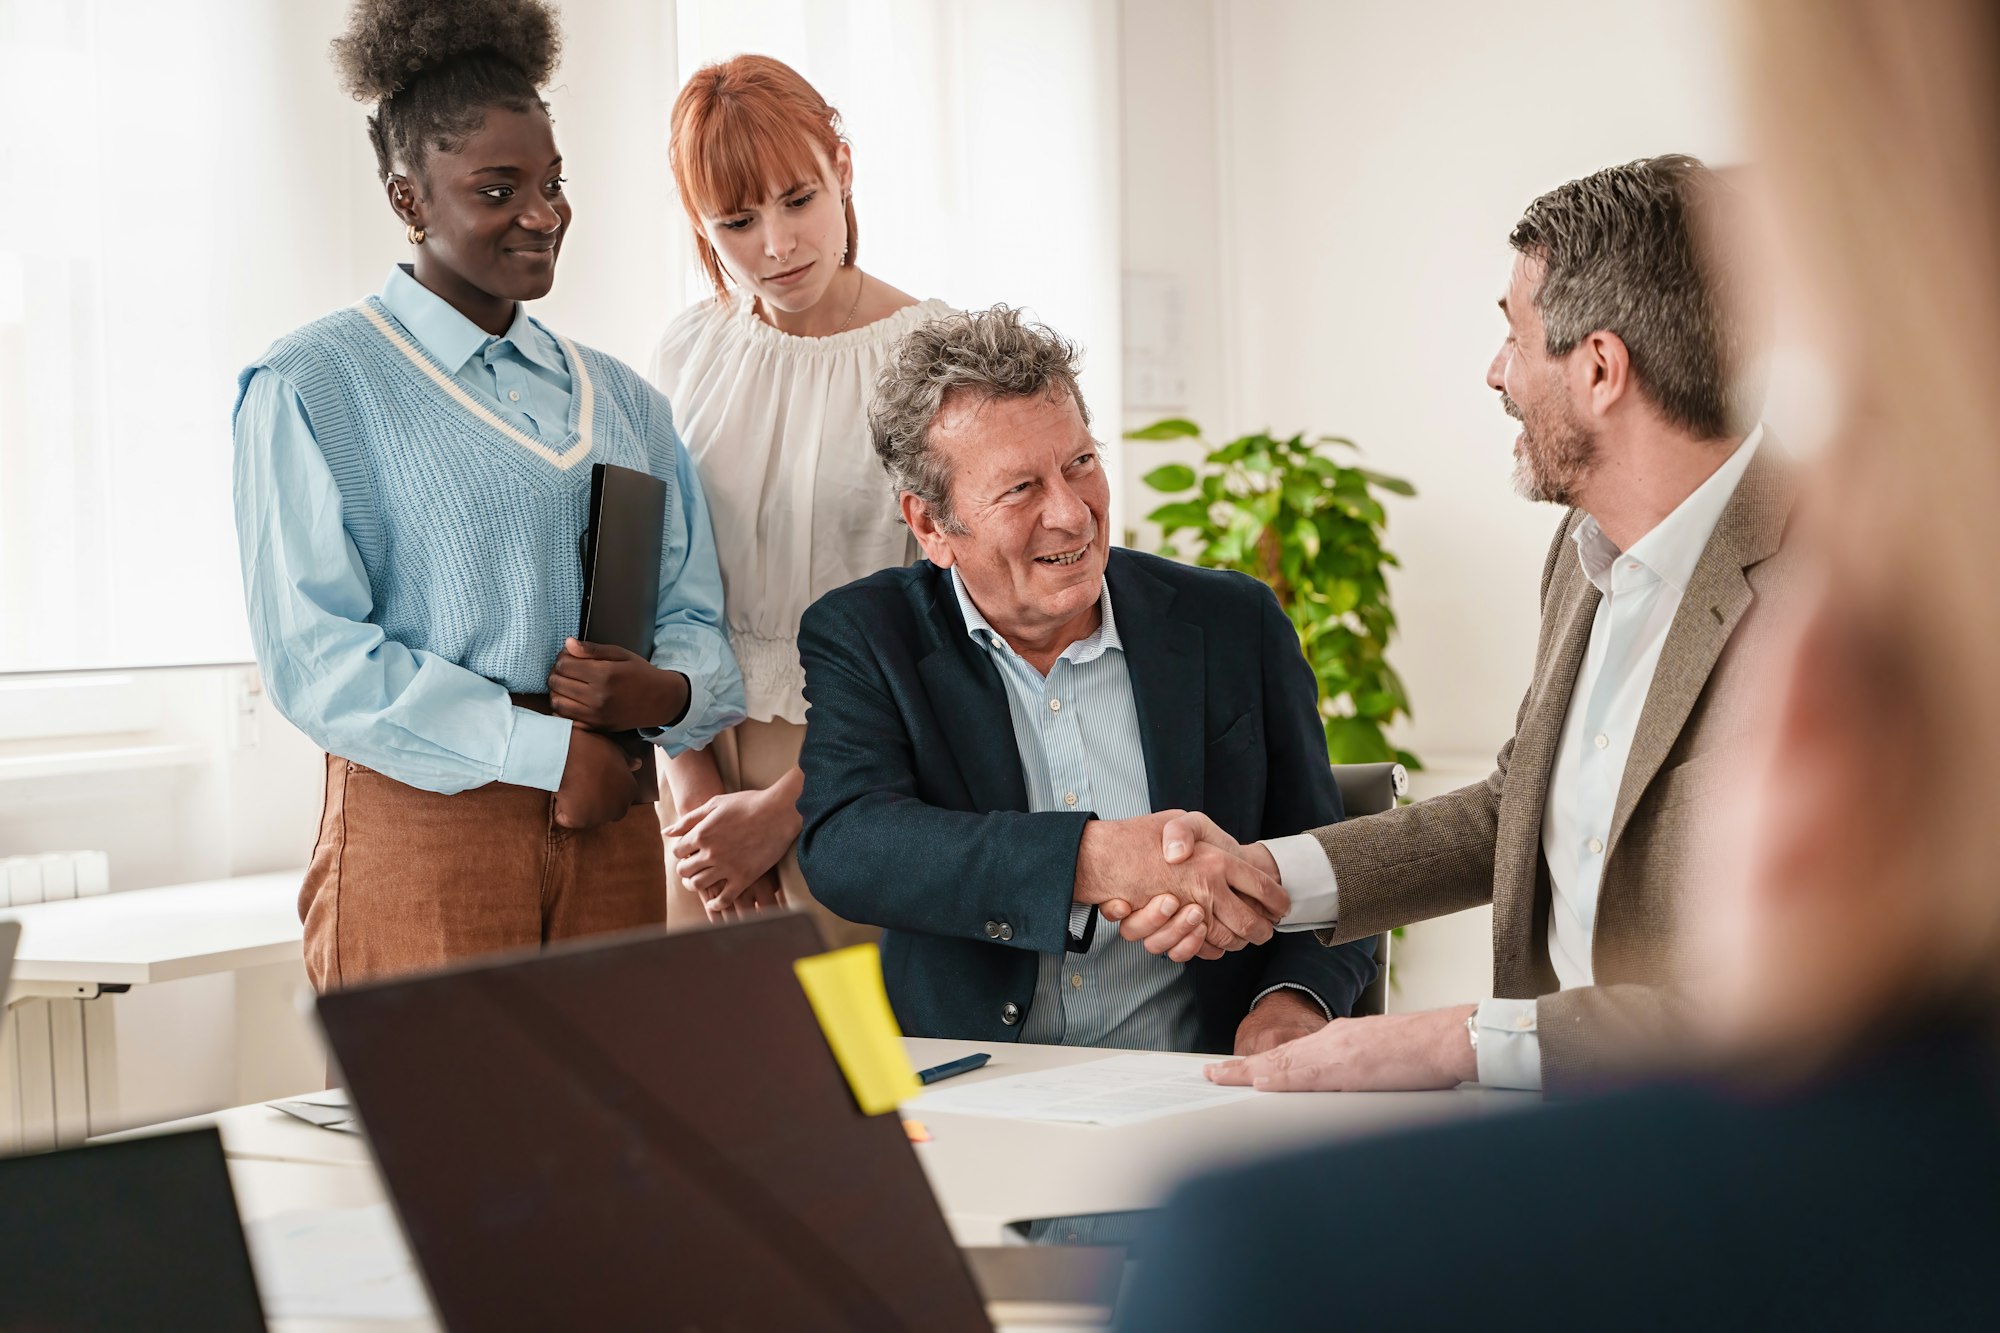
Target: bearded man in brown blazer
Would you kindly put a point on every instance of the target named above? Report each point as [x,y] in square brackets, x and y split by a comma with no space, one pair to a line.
[1623,361]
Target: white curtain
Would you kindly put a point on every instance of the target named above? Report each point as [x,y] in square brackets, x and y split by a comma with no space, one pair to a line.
[190,182]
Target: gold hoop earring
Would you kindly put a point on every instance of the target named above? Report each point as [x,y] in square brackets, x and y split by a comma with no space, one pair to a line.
[415,233]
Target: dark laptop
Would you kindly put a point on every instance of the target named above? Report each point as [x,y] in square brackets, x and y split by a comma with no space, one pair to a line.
[136,1235]
[646,1133]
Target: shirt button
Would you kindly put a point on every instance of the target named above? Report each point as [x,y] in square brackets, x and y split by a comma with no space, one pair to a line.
[1069,798]
[1602,740]
[1597,846]
[1055,705]
[513,395]
[1076,981]
[1524,1022]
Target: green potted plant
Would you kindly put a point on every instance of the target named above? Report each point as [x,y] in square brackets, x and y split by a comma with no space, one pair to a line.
[1310,528]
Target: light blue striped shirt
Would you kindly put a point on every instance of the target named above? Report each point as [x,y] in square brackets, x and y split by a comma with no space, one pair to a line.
[1077,731]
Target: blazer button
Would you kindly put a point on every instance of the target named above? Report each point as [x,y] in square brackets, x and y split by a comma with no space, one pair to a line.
[992,930]
[1010,1013]
[1006,931]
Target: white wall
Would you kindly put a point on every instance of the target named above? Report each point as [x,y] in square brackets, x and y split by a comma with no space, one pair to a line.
[1379,156]
[1333,181]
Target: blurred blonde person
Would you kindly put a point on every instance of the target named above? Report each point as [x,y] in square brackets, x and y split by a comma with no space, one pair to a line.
[770,379]
[1844,1169]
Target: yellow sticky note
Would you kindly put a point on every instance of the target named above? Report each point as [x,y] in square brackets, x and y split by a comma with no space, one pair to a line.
[847,996]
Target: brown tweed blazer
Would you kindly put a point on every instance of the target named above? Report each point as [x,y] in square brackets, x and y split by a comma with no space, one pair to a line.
[1482,843]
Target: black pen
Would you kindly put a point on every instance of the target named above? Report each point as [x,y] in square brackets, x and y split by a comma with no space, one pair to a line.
[943,1071]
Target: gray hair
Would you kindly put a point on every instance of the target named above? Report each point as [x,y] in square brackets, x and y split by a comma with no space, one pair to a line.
[1634,250]
[989,353]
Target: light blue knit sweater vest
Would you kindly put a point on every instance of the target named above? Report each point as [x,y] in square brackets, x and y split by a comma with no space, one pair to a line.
[468,532]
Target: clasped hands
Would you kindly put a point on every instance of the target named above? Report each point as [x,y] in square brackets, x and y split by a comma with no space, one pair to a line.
[727,848]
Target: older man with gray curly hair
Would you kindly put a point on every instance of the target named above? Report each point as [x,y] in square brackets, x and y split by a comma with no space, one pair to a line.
[997,735]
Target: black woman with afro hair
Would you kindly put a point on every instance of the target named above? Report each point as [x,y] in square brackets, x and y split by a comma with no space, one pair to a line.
[412,476]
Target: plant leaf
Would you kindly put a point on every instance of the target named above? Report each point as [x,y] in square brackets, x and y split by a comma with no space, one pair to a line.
[1393,484]
[1356,740]
[1172,428]
[1181,514]
[1170,478]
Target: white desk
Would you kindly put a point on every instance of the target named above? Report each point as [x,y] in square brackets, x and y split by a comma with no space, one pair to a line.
[985,1172]
[78,949]
[70,949]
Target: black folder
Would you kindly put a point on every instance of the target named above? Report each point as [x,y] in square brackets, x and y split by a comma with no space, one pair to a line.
[621,558]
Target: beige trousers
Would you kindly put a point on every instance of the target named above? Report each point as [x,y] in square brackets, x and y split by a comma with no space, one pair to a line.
[755,755]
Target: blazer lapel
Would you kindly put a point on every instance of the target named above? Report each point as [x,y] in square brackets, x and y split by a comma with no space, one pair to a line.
[1518,852]
[970,704]
[1163,657]
[1717,597]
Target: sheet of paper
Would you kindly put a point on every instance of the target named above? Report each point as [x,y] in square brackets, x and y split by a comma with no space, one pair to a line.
[1121,1090]
[335,1263]
[847,996]
[313,1113]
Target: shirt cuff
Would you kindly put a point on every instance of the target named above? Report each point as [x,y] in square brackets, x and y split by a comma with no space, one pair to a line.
[537,750]
[699,701]
[1308,879]
[1510,1047]
[1293,985]
[1079,917]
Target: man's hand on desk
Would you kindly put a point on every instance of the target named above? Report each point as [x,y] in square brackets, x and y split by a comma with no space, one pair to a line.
[1119,860]
[1387,1053]
[1184,837]
[1281,1016]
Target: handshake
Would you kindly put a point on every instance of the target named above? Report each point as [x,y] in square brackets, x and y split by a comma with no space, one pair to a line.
[1175,882]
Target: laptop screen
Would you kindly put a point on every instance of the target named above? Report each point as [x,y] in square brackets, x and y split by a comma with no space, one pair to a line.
[137,1234]
[644,1133]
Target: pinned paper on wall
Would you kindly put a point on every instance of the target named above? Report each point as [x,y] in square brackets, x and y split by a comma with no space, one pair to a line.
[848,998]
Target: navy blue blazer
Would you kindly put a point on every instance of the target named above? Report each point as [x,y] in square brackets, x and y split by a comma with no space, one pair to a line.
[1869,1199]
[916,814]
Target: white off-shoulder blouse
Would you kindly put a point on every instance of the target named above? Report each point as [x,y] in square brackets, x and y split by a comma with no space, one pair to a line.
[778,427]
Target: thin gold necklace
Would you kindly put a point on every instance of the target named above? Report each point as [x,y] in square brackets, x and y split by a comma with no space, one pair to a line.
[757,308]
[859,283]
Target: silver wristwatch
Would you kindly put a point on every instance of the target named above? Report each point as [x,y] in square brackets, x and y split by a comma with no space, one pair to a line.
[1472,1028]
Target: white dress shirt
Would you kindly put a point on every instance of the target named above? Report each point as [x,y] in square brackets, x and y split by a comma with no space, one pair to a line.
[1641,591]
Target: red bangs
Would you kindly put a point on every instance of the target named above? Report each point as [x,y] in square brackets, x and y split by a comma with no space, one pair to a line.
[742,131]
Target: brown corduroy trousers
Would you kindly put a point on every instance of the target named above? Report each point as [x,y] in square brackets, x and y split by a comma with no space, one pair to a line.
[404,880]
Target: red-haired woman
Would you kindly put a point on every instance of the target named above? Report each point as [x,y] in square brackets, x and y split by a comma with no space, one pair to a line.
[770,380]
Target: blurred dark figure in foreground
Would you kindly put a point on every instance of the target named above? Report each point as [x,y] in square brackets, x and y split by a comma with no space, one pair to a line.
[1841,1168]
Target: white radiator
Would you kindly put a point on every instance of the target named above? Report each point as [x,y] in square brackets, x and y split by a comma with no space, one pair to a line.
[52,877]
[42,1048]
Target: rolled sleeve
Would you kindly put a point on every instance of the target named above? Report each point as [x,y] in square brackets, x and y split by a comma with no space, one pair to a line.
[690,635]
[1308,880]
[1510,1047]
[537,750]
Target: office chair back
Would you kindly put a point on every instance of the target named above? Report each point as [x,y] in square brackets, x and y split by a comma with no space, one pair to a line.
[1369,789]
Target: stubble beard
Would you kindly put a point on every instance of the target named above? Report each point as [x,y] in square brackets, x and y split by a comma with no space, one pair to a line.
[1555,456]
